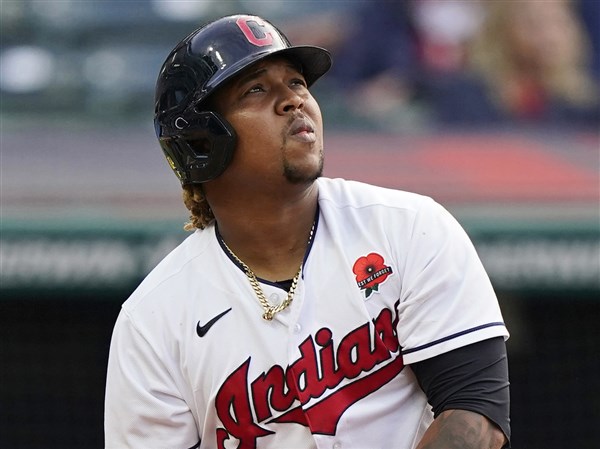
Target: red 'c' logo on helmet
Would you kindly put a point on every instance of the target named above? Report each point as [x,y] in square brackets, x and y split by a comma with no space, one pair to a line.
[250,26]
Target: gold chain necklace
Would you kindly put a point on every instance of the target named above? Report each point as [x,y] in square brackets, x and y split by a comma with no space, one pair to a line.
[269,309]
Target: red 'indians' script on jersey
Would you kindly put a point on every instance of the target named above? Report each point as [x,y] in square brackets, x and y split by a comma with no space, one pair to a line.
[319,369]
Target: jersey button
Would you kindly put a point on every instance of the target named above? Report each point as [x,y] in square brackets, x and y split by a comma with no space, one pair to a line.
[297,328]
[274,297]
[337,445]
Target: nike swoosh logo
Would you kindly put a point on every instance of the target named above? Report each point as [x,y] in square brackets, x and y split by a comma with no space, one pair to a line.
[202,330]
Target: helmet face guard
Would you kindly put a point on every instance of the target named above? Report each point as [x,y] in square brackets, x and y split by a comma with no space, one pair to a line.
[198,143]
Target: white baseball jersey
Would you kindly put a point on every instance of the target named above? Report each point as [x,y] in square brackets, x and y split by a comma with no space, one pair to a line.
[390,278]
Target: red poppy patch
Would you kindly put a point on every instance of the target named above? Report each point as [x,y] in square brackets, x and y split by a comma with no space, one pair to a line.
[370,271]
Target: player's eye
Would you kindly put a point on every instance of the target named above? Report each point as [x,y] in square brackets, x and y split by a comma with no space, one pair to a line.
[255,89]
[299,82]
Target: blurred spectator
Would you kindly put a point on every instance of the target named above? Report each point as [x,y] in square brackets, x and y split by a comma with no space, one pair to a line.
[533,58]
[589,11]
[372,69]
[443,29]
[395,51]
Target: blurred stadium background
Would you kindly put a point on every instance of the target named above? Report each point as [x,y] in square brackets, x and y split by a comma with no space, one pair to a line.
[88,206]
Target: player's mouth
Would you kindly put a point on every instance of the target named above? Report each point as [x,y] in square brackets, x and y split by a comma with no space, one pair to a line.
[301,129]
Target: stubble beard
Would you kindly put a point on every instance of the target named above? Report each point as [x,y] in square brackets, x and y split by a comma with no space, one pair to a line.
[301,175]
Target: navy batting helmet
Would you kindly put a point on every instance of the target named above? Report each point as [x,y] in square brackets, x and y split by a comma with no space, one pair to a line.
[198,143]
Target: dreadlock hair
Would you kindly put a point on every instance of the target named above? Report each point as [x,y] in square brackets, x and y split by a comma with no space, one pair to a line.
[201,213]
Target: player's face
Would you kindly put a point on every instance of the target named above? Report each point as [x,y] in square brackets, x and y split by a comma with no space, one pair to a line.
[277,121]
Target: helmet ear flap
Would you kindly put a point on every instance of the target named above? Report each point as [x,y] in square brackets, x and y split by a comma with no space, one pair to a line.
[201,148]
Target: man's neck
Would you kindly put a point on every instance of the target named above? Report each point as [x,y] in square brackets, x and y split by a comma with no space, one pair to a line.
[270,237]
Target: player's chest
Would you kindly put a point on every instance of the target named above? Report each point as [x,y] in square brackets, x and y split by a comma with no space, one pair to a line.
[343,314]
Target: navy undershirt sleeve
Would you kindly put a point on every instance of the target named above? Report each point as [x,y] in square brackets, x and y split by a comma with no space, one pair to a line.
[473,378]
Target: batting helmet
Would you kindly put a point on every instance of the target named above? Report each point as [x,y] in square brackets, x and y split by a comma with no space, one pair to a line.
[198,143]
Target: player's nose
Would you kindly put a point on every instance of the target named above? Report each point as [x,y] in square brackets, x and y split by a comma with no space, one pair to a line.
[289,101]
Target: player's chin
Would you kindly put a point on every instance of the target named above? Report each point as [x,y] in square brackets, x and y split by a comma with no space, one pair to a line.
[303,172]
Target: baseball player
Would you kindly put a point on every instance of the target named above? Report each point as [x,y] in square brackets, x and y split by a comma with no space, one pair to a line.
[302,312]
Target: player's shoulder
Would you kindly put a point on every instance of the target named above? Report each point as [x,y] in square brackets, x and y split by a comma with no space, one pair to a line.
[172,271]
[342,193]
